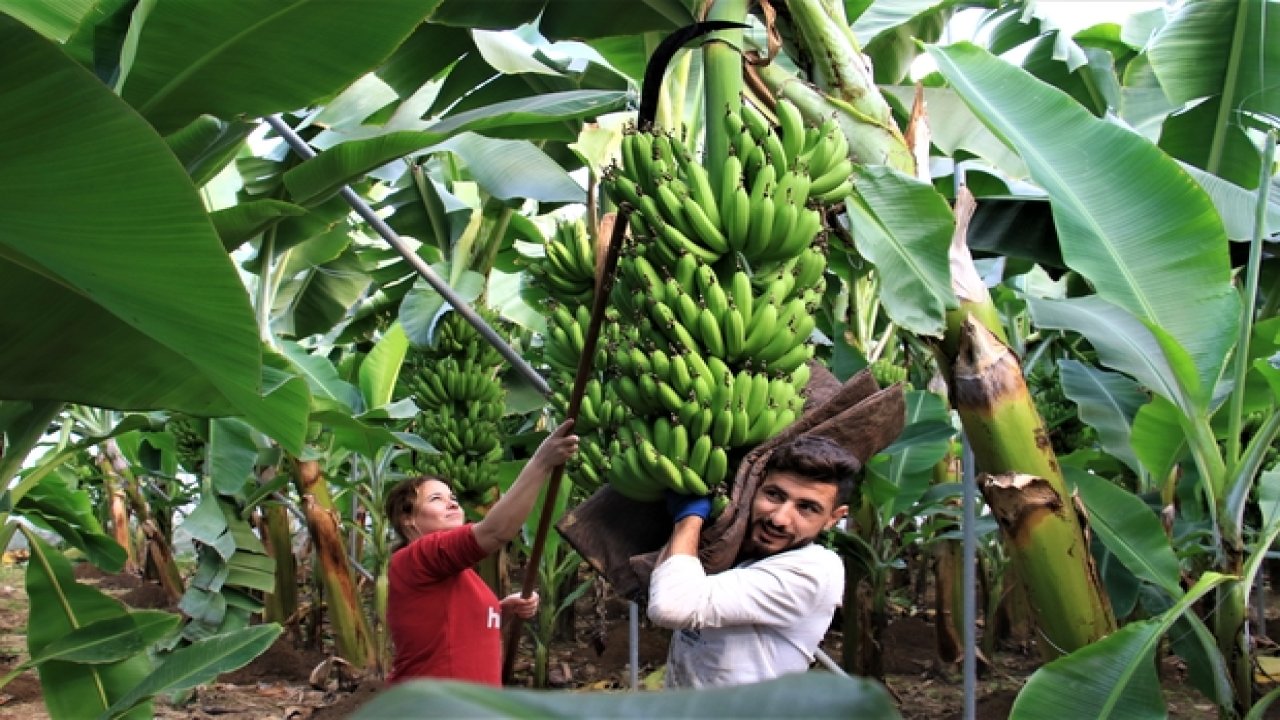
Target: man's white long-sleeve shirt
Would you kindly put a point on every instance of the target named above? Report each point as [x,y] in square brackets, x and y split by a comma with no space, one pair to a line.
[757,621]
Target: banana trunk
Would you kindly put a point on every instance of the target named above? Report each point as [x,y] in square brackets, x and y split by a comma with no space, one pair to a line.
[1024,487]
[948,576]
[273,527]
[346,616]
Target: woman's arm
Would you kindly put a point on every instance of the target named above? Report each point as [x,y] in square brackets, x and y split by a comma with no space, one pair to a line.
[506,516]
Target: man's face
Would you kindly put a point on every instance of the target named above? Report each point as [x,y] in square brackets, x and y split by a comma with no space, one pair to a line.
[788,511]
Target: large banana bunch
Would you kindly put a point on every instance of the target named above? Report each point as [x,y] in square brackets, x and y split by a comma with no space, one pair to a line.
[567,267]
[716,291]
[460,401]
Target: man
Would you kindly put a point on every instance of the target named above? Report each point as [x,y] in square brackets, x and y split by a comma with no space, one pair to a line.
[766,616]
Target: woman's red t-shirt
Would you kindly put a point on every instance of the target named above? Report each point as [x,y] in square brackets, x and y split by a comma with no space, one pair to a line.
[444,620]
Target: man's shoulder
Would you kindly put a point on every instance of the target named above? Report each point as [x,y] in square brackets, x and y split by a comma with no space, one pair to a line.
[810,555]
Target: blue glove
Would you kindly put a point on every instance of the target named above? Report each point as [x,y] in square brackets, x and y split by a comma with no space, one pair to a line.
[682,506]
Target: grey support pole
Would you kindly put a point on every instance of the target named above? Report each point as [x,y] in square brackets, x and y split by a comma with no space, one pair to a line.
[633,638]
[362,208]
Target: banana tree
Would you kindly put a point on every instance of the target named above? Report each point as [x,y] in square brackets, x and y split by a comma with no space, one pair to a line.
[1136,320]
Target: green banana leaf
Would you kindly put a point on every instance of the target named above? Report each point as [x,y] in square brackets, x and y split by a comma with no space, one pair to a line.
[58,504]
[1238,206]
[232,454]
[54,20]
[244,221]
[58,607]
[1208,50]
[1123,343]
[953,128]
[207,145]
[903,226]
[381,367]
[815,695]
[1129,529]
[22,425]
[328,389]
[1183,135]
[197,663]
[127,297]
[239,57]
[423,306]
[587,19]
[112,639]
[495,14]
[1130,220]
[323,175]
[1158,438]
[1114,677]
[1108,403]
[907,464]
[889,33]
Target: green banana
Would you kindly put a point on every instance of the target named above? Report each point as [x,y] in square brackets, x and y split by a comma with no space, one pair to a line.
[717,466]
[743,294]
[708,325]
[791,127]
[693,484]
[699,454]
[703,227]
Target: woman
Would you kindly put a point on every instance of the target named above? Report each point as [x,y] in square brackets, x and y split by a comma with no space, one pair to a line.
[444,620]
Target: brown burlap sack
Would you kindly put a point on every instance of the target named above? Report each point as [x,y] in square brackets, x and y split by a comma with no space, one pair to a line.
[621,537]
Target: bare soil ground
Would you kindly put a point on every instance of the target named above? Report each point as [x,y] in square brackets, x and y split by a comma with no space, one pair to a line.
[276,684]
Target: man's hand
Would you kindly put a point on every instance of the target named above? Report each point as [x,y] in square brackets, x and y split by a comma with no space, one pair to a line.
[523,608]
[682,506]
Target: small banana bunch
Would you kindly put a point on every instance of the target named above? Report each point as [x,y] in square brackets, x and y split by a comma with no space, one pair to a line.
[567,268]
[565,338]
[454,337]
[887,373]
[593,462]
[600,408]
[460,401]
[190,437]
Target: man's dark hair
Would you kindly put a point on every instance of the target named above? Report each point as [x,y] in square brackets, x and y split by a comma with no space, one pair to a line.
[817,458]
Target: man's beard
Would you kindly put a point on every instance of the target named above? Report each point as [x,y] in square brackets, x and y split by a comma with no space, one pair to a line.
[751,550]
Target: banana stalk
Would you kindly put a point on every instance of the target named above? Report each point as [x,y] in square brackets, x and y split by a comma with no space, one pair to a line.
[1023,484]
[346,617]
[722,72]
[843,85]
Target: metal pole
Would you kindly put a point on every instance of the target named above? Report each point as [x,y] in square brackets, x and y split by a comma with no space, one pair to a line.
[633,637]
[464,309]
[970,581]
[825,660]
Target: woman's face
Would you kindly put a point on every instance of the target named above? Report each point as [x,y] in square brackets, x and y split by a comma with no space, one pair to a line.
[434,509]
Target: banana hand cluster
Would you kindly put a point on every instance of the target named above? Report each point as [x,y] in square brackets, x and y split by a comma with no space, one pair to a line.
[460,400]
[565,339]
[567,268]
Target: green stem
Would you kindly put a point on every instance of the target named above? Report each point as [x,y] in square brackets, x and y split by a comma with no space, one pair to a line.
[1235,417]
[722,69]
[1227,103]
